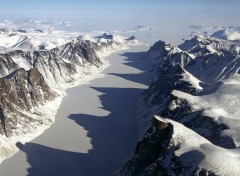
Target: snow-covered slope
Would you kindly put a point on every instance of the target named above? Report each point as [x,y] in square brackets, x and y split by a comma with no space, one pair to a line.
[196,85]
[194,152]
[11,39]
[227,34]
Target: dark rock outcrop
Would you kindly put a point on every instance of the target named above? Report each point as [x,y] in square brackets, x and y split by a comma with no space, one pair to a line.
[154,142]
[19,92]
[131,38]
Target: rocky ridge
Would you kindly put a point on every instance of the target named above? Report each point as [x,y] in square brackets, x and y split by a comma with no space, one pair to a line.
[195,86]
[32,84]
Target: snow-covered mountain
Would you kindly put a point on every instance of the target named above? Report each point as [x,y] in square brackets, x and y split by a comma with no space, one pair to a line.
[11,39]
[227,34]
[195,93]
[33,80]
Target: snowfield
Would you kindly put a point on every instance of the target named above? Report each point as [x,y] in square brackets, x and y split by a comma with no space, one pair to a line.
[33,40]
[196,151]
[227,34]
[222,105]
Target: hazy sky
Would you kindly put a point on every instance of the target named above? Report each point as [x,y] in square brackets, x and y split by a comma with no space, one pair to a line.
[115,3]
[142,10]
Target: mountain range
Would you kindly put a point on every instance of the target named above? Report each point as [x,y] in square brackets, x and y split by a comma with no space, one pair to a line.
[34,80]
[190,113]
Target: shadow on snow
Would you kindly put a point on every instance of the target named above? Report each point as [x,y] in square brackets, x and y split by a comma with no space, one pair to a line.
[113,137]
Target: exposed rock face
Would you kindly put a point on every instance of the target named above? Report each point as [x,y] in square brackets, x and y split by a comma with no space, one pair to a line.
[157,50]
[21,91]
[191,86]
[74,51]
[154,143]
[57,65]
[30,79]
[132,38]
[7,65]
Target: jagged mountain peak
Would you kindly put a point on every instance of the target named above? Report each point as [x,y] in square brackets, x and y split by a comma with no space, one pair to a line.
[159,49]
[105,36]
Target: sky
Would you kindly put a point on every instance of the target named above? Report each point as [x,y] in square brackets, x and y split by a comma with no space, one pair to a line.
[44,5]
[124,10]
[115,3]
